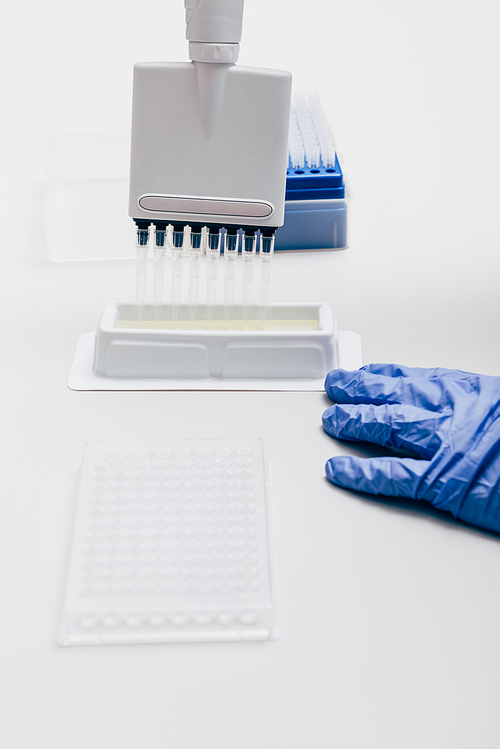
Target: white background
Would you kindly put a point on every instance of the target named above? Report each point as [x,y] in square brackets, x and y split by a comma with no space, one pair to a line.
[389,612]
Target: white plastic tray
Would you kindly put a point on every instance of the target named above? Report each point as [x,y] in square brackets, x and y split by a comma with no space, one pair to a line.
[117,358]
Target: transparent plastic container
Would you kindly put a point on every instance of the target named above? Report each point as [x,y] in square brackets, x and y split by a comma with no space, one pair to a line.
[177,551]
[86,198]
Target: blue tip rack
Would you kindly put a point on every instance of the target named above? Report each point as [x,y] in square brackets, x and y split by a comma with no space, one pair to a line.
[317,199]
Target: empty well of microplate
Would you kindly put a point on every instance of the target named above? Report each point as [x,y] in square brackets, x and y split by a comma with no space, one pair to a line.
[170,544]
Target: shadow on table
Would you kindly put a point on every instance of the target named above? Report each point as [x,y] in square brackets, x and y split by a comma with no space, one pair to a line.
[401,504]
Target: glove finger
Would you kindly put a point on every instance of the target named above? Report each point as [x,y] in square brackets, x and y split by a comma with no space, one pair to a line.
[392,477]
[360,386]
[398,370]
[406,427]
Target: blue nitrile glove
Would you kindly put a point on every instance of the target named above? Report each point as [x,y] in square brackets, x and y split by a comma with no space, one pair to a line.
[450,419]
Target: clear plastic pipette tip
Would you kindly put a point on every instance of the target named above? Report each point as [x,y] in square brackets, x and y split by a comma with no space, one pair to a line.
[266,254]
[310,138]
[177,248]
[141,247]
[214,246]
[159,271]
[248,255]
[194,271]
[230,256]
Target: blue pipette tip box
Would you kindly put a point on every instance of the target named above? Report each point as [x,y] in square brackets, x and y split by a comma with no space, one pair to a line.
[317,210]
[314,183]
[317,196]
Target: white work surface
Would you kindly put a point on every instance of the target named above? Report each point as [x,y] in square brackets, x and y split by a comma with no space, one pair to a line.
[388,612]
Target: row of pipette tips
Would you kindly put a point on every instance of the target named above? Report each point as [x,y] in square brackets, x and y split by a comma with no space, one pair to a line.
[310,138]
[174,242]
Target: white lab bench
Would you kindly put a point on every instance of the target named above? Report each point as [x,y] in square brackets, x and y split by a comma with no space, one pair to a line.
[388,612]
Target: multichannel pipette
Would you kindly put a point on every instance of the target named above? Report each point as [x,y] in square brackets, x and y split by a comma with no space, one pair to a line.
[316,213]
[212,153]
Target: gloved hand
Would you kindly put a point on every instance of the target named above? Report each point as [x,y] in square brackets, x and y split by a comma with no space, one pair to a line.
[450,419]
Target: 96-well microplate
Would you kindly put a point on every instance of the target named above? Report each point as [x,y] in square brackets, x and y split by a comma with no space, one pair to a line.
[170,544]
